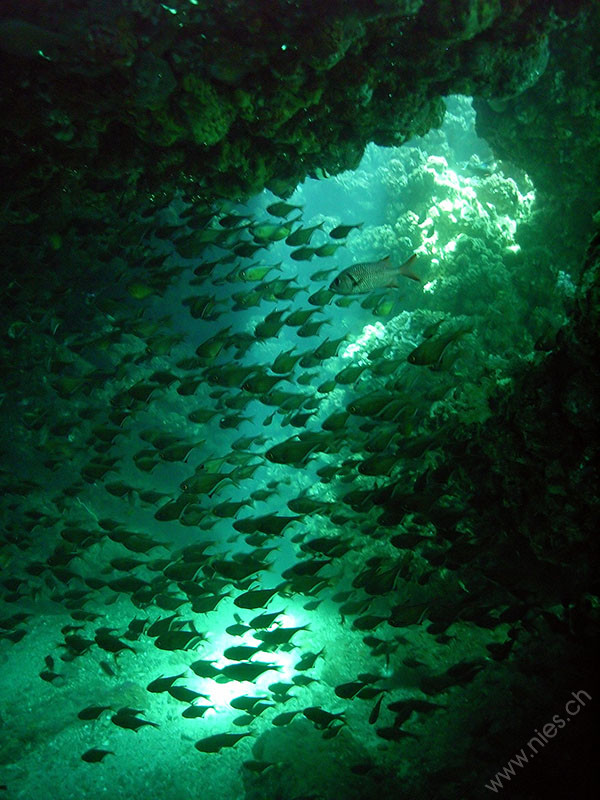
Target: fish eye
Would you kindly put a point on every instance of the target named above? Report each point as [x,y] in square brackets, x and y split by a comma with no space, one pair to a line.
[185,487]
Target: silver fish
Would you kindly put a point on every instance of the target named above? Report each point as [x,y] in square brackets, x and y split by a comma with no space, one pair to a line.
[368,275]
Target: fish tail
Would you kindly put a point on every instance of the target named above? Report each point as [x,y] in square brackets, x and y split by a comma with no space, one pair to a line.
[464,331]
[406,270]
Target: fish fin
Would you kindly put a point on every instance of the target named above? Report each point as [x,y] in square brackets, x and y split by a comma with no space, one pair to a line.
[387,261]
[406,270]
[353,279]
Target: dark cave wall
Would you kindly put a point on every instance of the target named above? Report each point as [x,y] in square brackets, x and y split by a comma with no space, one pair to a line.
[542,447]
[130,101]
[552,130]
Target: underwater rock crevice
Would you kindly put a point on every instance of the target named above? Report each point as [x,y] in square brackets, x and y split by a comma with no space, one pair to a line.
[163,98]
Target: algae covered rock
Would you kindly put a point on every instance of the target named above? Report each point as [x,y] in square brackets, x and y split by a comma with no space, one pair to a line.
[464,19]
[318,80]
[208,114]
[154,81]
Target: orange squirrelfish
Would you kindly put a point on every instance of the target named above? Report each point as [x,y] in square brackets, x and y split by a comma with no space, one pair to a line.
[368,275]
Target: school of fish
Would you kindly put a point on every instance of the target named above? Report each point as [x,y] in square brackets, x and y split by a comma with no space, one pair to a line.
[121,370]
